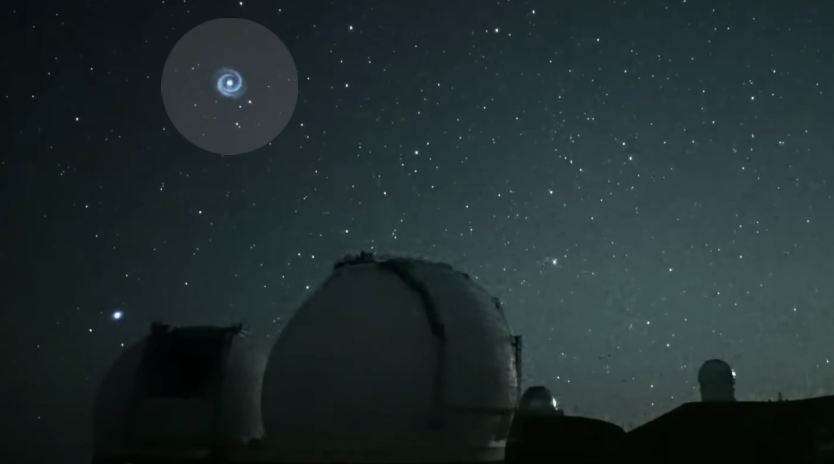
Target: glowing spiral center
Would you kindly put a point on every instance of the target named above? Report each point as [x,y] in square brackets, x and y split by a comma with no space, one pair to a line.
[229,83]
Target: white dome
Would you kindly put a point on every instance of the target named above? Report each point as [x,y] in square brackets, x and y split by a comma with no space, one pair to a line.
[394,360]
[180,393]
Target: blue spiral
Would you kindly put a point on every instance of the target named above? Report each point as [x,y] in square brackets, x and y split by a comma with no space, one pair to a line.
[229,83]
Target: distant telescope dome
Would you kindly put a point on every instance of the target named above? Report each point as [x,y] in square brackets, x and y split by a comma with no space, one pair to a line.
[180,394]
[538,399]
[395,360]
[717,381]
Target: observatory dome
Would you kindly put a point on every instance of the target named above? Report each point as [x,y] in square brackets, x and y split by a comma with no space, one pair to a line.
[392,359]
[180,394]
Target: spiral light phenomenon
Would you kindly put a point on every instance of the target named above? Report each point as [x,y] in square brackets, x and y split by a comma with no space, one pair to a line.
[229,83]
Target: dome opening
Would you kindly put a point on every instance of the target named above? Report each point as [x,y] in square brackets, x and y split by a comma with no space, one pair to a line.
[183,364]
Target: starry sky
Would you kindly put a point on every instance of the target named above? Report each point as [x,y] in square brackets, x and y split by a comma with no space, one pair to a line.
[644,184]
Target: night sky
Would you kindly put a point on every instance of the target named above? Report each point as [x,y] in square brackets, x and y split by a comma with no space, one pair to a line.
[644,184]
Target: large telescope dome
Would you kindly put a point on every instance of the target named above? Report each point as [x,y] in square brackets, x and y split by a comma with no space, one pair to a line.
[395,360]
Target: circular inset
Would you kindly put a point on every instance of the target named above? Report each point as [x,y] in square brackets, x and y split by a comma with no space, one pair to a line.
[230,86]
